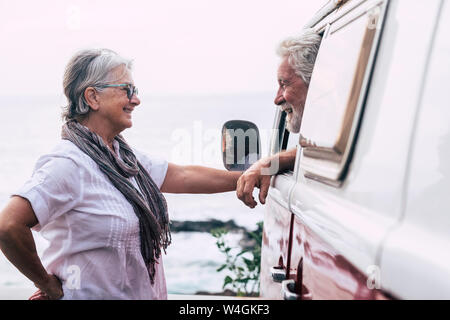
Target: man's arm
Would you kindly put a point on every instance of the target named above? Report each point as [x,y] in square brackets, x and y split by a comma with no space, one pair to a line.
[259,174]
[198,179]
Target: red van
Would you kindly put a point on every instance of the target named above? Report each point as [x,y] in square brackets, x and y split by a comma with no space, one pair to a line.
[366,212]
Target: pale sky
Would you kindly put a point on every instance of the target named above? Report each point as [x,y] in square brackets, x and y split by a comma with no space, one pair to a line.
[179,47]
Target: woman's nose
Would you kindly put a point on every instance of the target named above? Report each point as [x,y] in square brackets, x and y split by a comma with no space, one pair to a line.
[135,100]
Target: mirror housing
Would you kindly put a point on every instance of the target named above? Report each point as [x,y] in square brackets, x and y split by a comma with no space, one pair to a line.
[241,145]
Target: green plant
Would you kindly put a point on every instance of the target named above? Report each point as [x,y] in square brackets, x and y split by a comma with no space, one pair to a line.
[244,265]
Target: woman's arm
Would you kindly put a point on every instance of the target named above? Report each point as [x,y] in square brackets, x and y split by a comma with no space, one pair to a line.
[17,244]
[198,179]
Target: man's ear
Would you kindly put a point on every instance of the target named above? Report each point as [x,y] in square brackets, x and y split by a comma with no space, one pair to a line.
[91,97]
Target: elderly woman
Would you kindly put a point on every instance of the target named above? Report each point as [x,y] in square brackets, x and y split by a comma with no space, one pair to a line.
[96,200]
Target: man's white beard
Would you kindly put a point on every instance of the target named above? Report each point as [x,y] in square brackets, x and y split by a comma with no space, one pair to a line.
[293,119]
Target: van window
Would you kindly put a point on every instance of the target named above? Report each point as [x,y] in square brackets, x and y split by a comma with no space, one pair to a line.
[282,139]
[293,141]
[337,91]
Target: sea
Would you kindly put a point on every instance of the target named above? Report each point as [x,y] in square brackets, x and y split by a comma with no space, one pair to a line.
[181,129]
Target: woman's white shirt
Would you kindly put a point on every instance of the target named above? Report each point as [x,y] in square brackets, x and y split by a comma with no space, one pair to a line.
[93,232]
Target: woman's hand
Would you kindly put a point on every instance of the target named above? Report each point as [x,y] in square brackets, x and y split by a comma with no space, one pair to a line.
[39,295]
[50,290]
[259,175]
[251,178]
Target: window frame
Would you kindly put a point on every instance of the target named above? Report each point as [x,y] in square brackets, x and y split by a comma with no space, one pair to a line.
[319,164]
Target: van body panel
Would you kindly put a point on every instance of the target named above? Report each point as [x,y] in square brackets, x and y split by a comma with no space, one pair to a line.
[415,264]
[323,272]
[348,228]
[274,249]
[415,257]
[276,231]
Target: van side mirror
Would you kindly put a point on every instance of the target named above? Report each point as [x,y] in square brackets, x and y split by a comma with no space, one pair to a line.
[241,146]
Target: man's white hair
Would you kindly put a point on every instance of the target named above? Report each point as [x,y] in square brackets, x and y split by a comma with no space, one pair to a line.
[301,52]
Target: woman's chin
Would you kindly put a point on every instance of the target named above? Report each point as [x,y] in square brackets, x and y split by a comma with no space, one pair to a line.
[128,121]
[124,125]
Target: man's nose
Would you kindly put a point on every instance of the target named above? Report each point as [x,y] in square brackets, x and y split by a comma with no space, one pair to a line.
[279,99]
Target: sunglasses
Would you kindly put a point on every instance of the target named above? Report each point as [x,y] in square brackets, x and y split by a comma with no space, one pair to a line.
[131,90]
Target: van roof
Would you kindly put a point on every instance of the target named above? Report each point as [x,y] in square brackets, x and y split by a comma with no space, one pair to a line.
[324,11]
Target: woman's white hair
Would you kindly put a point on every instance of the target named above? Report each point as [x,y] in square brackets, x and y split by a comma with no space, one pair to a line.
[89,68]
[301,52]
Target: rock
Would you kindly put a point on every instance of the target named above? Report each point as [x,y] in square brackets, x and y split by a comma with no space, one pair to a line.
[247,243]
[251,239]
[204,226]
[227,292]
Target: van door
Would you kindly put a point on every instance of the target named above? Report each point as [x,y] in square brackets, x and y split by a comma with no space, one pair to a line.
[359,113]
[277,218]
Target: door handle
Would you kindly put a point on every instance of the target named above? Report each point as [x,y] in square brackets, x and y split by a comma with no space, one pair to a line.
[288,288]
[278,273]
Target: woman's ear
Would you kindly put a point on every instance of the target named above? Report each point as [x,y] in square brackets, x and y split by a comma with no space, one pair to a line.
[91,97]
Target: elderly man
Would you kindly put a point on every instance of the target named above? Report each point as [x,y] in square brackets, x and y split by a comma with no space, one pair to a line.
[298,55]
